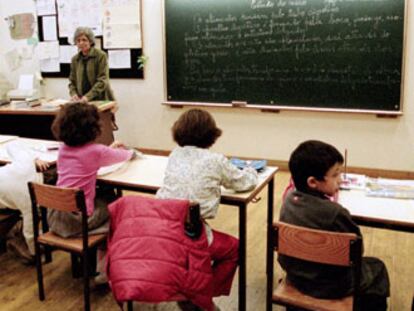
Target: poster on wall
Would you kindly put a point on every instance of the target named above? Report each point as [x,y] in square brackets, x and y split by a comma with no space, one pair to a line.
[75,13]
[122,27]
[21,26]
[45,7]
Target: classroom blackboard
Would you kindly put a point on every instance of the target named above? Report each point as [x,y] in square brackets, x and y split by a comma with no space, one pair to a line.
[335,54]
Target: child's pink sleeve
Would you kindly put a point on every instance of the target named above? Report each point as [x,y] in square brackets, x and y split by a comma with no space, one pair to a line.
[290,187]
[111,156]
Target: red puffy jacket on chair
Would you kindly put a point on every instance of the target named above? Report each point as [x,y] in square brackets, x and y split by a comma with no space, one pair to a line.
[150,259]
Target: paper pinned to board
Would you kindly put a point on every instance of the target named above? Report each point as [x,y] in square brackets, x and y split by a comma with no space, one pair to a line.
[45,7]
[122,26]
[50,65]
[26,82]
[66,53]
[49,28]
[47,50]
[21,26]
[75,13]
[13,59]
[119,59]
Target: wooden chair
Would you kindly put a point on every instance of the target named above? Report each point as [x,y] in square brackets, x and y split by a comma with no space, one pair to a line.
[66,200]
[341,249]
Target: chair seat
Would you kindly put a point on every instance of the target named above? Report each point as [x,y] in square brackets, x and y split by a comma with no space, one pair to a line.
[70,244]
[285,293]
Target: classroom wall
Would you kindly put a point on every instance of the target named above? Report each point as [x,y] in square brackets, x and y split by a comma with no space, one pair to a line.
[371,142]
[26,53]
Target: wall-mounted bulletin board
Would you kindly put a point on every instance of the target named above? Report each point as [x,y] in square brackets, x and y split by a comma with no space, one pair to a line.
[344,55]
[115,23]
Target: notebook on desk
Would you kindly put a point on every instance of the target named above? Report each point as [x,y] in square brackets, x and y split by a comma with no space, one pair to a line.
[258,165]
[390,188]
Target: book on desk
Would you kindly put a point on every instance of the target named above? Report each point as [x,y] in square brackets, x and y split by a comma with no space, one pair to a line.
[59,102]
[27,103]
[390,188]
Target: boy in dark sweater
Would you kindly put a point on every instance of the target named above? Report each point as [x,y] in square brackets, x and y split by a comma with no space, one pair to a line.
[316,171]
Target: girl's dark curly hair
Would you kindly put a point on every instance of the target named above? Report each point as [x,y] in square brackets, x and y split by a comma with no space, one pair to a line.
[77,124]
[195,127]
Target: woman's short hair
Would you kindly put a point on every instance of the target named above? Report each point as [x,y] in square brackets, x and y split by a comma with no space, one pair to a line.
[84,31]
[195,127]
[77,124]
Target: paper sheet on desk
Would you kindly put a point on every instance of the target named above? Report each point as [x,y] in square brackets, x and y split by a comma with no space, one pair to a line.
[383,208]
[105,170]
[6,138]
[390,188]
[39,150]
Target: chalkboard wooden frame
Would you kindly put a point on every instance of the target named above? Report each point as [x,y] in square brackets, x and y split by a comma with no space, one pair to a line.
[127,73]
[176,101]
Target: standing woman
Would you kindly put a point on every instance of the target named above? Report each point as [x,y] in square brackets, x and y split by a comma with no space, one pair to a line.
[89,71]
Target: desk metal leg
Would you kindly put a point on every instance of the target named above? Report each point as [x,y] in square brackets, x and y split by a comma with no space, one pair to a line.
[242,256]
[270,194]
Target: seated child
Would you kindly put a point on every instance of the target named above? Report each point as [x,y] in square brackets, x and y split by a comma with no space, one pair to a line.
[14,194]
[79,159]
[316,171]
[196,173]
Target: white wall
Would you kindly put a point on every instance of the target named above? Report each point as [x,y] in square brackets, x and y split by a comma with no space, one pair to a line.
[144,122]
[27,65]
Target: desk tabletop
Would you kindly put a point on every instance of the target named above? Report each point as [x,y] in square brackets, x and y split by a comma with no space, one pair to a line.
[374,210]
[45,150]
[148,173]
[42,111]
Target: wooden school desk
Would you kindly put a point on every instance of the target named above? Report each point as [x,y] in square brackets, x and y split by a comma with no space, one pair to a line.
[387,213]
[35,122]
[45,150]
[146,175]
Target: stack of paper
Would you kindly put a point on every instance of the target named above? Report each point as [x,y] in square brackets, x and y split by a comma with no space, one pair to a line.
[353,181]
[54,103]
[6,138]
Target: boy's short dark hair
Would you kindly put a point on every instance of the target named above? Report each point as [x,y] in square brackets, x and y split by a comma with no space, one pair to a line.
[312,158]
[195,127]
[77,124]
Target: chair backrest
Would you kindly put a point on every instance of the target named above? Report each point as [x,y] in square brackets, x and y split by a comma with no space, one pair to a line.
[62,199]
[324,247]
[193,224]
[335,248]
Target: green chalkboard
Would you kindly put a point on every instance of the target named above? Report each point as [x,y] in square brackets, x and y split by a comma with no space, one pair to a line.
[339,54]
